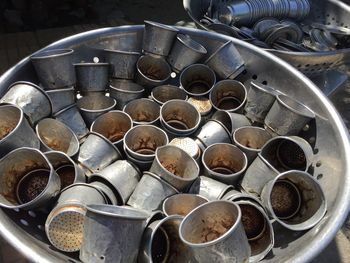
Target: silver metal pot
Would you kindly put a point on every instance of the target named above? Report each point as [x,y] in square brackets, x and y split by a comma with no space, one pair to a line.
[182,204]
[91,77]
[124,91]
[143,111]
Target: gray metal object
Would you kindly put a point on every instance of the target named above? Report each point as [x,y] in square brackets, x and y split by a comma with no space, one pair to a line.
[91,76]
[214,233]
[182,204]
[15,130]
[124,91]
[107,191]
[141,164]
[54,68]
[143,111]
[54,135]
[235,195]
[164,93]
[210,188]
[34,102]
[100,241]
[123,63]
[61,98]
[189,145]
[238,121]
[150,192]
[224,118]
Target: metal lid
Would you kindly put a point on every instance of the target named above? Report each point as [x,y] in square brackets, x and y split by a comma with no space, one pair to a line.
[202,104]
[188,145]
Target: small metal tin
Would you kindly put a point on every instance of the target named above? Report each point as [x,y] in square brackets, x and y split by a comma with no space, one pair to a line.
[182,204]
[238,121]
[189,145]
[143,111]
[164,93]
[124,91]
[209,188]
[61,98]
[123,63]
[91,77]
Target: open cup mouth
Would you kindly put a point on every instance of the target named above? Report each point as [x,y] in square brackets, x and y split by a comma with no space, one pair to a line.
[153,69]
[143,111]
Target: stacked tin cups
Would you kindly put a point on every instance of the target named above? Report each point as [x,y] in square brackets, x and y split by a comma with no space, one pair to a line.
[158,153]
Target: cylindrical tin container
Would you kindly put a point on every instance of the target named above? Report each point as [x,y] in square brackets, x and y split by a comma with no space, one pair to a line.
[209,188]
[164,93]
[107,191]
[91,77]
[224,118]
[123,63]
[234,195]
[143,111]
[238,121]
[189,145]
[182,204]
[143,165]
[61,98]
[124,91]
[204,107]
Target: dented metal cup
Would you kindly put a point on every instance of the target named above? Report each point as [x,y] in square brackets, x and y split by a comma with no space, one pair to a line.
[54,68]
[15,130]
[71,117]
[124,91]
[150,192]
[91,77]
[184,52]
[226,61]
[182,204]
[209,188]
[158,38]
[61,98]
[123,63]
[175,166]
[197,80]
[287,116]
[143,111]
[34,102]
[224,162]
[28,180]
[164,93]
[92,107]
[204,107]
[228,95]
[100,241]
[152,71]
[295,200]
[54,135]
[214,233]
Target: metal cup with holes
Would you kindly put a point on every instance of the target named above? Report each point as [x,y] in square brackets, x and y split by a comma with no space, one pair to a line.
[228,95]
[182,204]
[92,107]
[250,139]
[152,71]
[61,98]
[54,68]
[91,77]
[64,225]
[197,80]
[164,93]
[15,130]
[189,145]
[295,200]
[71,117]
[143,111]
[215,233]
[287,116]
[55,135]
[224,162]
[204,107]
[28,180]
[226,61]
[96,153]
[150,192]
[209,188]
[161,242]
[123,63]
[158,38]
[185,52]
[122,176]
[175,166]
[100,243]
[124,91]
[34,101]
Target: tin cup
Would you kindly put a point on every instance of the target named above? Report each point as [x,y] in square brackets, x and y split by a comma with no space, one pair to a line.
[179,117]
[158,38]
[96,153]
[238,121]
[189,145]
[54,68]
[124,91]
[61,98]
[295,200]
[197,80]
[250,139]
[68,171]
[28,180]
[143,111]
[204,107]
[91,77]
[214,233]
[161,242]
[150,192]
[54,135]
[15,130]
[185,52]
[107,191]
[71,117]
[224,118]
[287,116]
[142,165]
[175,166]
[228,95]
[113,125]
[164,93]
[34,101]
[224,162]
[152,71]
[100,241]
[182,204]
[121,176]
[226,61]
[209,188]
[234,196]
[123,63]
[259,101]
[64,226]
[92,107]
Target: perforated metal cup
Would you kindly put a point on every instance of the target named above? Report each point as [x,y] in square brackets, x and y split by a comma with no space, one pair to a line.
[143,111]
[209,188]
[189,145]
